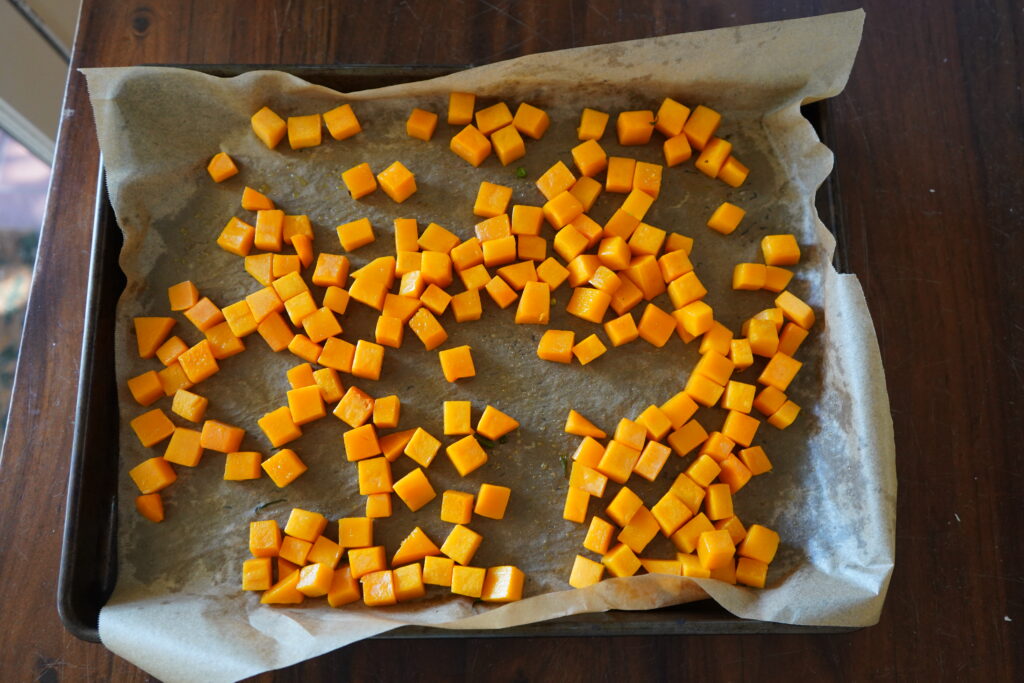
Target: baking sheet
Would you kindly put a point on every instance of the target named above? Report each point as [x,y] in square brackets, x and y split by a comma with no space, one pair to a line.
[177,611]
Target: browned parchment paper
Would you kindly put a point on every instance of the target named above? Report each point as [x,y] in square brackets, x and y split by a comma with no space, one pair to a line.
[178,612]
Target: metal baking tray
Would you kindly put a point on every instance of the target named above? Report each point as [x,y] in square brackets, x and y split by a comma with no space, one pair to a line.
[88,568]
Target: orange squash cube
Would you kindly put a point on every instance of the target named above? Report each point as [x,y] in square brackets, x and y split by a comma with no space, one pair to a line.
[397,181]
[701,125]
[184,447]
[242,466]
[581,426]
[461,544]
[268,127]
[687,537]
[457,363]
[460,108]
[575,509]
[618,461]
[784,416]
[715,548]
[726,218]
[409,582]
[492,501]
[621,561]
[503,584]
[592,124]
[494,424]
[531,121]
[374,476]
[378,505]
[361,443]
[466,454]
[733,173]
[471,145]
[585,572]
[256,574]
[221,167]
[437,571]
[508,144]
[150,333]
[468,581]
[153,475]
[344,589]
[421,124]
[588,304]
[342,122]
[355,532]
[671,117]
[556,346]
[555,181]
[676,150]
[363,561]
[589,349]
[466,306]
[152,428]
[283,467]
[670,513]
[278,427]
[713,156]
[355,407]
[457,507]
[304,131]
[634,127]
[428,329]
[146,388]
[490,119]
[589,157]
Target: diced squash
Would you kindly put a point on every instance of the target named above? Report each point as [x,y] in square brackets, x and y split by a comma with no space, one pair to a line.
[726,218]
[466,454]
[701,125]
[492,501]
[592,124]
[589,349]
[151,506]
[361,443]
[471,145]
[780,250]
[421,124]
[503,584]
[508,144]
[342,122]
[635,127]
[457,507]
[283,467]
[153,475]
[221,167]
[621,561]
[623,506]
[397,181]
[268,127]
[531,121]
[713,156]
[242,466]
[461,544]
[279,427]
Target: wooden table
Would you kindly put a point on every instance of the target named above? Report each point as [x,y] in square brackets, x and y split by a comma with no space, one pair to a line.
[929,151]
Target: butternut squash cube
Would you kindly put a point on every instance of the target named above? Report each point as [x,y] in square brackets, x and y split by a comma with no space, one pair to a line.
[367,360]
[703,470]
[726,218]
[361,443]
[184,447]
[588,304]
[355,407]
[652,460]
[190,406]
[656,326]
[331,270]
[618,461]
[701,125]
[623,506]
[378,505]
[556,346]
[713,156]
[534,306]
[409,582]
[428,329]
[640,530]
[751,572]
[152,428]
[374,476]
[461,544]
[242,466]
[733,173]
[531,121]
[503,584]
[342,122]
[466,306]
[414,489]
[284,467]
[221,167]
[555,181]
[468,581]
[670,513]
[344,589]
[589,349]
[153,475]
[397,181]
[495,424]
[779,372]
[671,117]
[264,538]
[279,427]
[457,363]
[460,108]
[471,145]
[784,416]
[146,388]
[621,561]
[592,124]
[304,131]
[457,507]
[268,127]
[467,454]
[150,333]
[492,501]
[437,571]
[422,447]
[585,572]
[355,532]
[676,150]
[599,536]
[363,561]
[256,574]
[508,144]
[635,127]
[687,536]
[620,175]
[715,549]
[421,124]
[490,119]
[589,157]
[575,509]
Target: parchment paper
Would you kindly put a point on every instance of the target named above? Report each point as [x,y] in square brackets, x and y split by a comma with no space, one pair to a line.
[177,611]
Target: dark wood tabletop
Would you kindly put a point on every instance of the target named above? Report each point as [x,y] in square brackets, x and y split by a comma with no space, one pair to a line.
[929,146]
